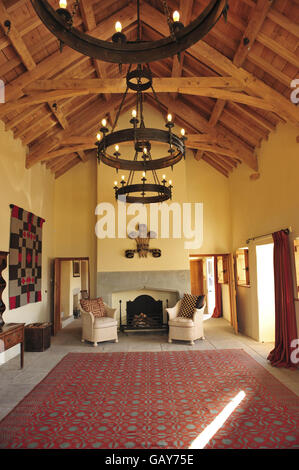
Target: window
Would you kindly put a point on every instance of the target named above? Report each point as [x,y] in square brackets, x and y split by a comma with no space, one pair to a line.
[242,267]
[296,250]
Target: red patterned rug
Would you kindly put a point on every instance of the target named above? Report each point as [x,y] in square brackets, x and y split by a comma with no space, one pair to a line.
[154,400]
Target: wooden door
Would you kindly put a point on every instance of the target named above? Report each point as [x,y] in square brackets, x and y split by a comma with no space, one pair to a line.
[196,276]
[57,296]
[232,291]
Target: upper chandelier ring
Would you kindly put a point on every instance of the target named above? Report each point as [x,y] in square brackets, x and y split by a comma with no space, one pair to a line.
[141,135]
[130,52]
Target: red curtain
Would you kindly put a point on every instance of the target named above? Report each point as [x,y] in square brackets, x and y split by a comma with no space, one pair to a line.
[218,294]
[285,317]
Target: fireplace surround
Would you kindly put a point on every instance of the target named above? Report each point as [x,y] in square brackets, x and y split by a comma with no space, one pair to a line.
[117,288]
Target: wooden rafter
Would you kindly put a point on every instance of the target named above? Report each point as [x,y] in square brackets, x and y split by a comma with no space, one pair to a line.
[258,16]
[217,61]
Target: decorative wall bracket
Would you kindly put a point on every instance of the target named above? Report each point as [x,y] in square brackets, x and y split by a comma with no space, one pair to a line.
[143,238]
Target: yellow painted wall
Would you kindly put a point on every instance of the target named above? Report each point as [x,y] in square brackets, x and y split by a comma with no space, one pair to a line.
[32,190]
[75,203]
[193,182]
[264,206]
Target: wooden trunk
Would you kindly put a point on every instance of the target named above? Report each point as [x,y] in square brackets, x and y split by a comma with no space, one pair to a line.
[37,337]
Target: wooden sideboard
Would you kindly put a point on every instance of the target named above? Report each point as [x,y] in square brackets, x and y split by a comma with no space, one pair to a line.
[10,335]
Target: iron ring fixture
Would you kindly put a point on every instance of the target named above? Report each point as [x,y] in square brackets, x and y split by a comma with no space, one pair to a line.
[141,136]
[131,52]
[139,74]
[163,193]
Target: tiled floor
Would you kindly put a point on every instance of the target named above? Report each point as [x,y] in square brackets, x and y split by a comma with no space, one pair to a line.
[16,383]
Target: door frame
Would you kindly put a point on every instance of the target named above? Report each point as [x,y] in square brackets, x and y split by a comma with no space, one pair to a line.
[57,324]
[231,283]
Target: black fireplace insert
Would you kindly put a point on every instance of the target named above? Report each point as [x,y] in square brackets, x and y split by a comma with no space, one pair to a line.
[144,313]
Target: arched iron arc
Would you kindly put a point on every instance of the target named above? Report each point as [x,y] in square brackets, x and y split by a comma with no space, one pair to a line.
[131,52]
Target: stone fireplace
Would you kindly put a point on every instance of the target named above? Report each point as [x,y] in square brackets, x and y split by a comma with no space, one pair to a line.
[119,288]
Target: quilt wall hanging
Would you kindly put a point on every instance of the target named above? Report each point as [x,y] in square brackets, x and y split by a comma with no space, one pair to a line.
[25,258]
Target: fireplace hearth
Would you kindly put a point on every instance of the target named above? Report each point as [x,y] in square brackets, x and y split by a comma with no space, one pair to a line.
[144,313]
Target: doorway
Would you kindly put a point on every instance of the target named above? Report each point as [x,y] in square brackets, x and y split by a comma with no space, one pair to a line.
[266,292]
[71,284]
[211,297]
[214,275]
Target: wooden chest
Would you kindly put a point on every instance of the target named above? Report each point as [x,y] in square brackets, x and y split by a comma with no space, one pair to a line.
[37,337]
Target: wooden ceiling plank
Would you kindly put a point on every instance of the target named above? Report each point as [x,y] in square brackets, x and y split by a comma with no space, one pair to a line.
[283,106]
[211,57]
[224,137]
[284,22]
[276,47]
[258,16]
[269,68]
[260,120]
[79,124]
[59,60]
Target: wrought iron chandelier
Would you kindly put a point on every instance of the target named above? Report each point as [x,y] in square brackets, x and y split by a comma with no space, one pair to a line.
[121,51]
[142,139]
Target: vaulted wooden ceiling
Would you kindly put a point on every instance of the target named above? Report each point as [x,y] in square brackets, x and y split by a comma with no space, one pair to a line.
[230,93]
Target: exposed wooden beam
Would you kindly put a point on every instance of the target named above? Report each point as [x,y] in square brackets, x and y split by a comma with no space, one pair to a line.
[16,38]
[161,84]
[56,61]
[217,111]
[258,16]
[83,121]
[223,136]
[283,107]
[217,61]
[198,155]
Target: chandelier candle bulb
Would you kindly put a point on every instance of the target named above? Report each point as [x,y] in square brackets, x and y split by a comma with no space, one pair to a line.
[176,16]
[63,3]
[99,137]
[183,132]
[118,27]
[169,117]
[116,148]
[134,113]
[104,122]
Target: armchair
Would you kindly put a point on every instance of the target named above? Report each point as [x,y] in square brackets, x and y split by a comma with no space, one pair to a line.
[186,329]
[97,329]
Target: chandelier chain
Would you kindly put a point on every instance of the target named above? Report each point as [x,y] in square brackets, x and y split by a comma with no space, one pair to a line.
[121,105]
[168,17]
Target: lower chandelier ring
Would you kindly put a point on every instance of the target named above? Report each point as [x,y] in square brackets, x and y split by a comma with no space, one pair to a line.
[163,193]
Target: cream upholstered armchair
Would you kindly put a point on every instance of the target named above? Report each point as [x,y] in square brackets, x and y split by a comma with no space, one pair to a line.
[99,328]
[186,329]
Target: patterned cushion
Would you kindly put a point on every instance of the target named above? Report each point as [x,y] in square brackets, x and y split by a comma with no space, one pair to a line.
[200,301]
[188,305]
[94,306]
